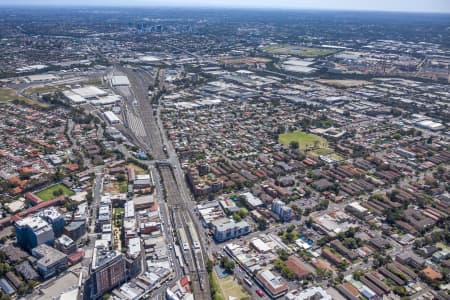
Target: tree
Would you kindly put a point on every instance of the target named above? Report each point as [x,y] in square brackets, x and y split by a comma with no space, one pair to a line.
[89,197]
[294,145]
[243,212]
[209,265]
[324,204]
[5,297]
[357,274]
[237,217]
[227,264]
[58,192]
[297,209]
[121,177]
[309,222]
[262,224]
[283,254]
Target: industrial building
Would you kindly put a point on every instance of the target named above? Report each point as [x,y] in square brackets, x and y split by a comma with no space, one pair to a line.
[120,81]
[111,117]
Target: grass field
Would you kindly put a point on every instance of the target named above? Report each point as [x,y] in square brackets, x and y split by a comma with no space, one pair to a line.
[43,89]
[307,52]
[326,152]
[229,287]
[8,95]
[305,140]
[47,194]
[123,186]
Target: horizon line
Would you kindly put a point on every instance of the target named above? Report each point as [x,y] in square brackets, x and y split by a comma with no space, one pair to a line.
[202,6]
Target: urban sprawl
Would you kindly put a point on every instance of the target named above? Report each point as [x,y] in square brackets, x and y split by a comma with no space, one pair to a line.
[223,155]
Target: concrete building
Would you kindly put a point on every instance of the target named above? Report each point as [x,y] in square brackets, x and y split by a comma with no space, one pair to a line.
[311,293]
[108,270]
[120,80]
[75,230]
[272,284]
[226,229]
[65,244]
[50,261]
[111,117]
[32,232]
[54,218]
[282,210]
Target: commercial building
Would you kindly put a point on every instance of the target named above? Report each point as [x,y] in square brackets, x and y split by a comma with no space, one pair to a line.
[54,218]
[226,229]
[273,285]
[75,230]
[50,261]
[32,232]
[311,293]
[65,244]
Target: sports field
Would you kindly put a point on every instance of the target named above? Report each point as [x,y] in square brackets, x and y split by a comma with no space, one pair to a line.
[307,52]
[48,193]
[306,141]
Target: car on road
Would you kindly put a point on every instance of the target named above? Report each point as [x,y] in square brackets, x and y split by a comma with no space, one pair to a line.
[259,292]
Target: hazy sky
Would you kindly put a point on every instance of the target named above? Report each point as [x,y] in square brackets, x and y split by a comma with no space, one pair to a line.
[383,5]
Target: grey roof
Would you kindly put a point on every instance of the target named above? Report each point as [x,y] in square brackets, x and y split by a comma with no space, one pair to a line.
[47,255]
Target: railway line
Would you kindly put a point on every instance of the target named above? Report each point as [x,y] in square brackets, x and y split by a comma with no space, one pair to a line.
[176,196]
[187,236]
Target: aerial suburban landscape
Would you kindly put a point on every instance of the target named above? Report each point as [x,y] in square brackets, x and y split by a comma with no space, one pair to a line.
[226,154]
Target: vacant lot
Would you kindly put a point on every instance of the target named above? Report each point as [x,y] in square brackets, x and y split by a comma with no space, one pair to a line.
[43,89]
[306,141]
[327,152]
[137,170]
[230,287]
[55,191]
[307,52]
[346,83]
[7,95]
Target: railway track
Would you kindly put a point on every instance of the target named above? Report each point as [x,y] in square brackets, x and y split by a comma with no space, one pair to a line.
[177,200]
[187,236]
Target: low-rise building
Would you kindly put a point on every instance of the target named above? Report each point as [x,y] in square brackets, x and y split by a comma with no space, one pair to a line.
[226,229]
[50,261]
